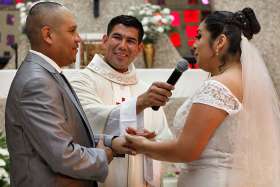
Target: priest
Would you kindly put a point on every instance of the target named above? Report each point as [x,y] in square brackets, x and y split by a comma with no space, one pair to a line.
[114,98]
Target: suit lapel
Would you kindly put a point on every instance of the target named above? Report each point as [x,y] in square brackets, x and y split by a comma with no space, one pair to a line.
[67,88]
[73,97]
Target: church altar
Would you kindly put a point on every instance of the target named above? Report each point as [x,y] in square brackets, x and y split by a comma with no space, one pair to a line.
[186,86]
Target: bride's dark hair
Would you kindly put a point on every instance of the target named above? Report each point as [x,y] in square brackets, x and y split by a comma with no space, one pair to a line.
[232,25]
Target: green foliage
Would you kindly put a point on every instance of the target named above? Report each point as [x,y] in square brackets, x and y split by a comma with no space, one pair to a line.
[4,163]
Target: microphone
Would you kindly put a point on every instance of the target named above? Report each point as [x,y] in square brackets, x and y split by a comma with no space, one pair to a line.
[181,66]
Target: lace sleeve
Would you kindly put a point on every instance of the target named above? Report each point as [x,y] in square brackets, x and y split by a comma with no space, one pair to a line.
[214,93]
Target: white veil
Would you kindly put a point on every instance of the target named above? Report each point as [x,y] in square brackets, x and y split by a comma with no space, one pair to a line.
[256,156]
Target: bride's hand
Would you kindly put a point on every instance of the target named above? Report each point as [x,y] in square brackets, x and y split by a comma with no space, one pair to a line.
[145,133]
[136,143]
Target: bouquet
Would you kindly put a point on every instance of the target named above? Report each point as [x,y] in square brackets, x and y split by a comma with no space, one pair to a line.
[155,20]
[4,163]
[23,9]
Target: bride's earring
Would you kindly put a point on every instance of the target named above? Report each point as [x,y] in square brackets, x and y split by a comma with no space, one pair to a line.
[217,53]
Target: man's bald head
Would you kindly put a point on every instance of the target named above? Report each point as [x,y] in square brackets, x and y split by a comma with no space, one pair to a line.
[40,15]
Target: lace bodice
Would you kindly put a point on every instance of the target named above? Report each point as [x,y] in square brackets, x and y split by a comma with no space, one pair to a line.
[219,149]
[215,94]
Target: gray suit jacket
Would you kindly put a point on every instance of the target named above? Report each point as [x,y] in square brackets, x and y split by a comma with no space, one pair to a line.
[48,135]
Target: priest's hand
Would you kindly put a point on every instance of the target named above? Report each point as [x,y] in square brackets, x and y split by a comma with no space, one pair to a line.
[108,151]
[157,95]
[119,146]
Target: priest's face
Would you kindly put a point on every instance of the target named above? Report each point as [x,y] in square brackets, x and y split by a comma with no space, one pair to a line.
[121,47]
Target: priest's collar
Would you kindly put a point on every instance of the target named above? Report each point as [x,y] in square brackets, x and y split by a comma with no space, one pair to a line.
[99,66]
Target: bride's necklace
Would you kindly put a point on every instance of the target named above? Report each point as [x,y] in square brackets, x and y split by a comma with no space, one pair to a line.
[225,69]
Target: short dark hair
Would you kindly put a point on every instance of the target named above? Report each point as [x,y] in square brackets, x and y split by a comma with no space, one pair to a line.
[128,21]
[233,25]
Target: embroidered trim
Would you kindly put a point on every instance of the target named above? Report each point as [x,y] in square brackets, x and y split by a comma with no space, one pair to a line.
[102,68]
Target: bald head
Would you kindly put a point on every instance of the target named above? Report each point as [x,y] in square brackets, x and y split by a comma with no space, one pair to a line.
[40,15]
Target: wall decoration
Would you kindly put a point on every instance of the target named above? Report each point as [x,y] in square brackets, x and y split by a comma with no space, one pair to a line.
[10,39]
[10,19]
[6,2]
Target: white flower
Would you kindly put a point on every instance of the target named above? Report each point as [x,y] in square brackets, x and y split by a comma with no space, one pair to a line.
[3,173]
[19,5]
[171,17]
[7,179]
[156,19]
[165,11]
[164,20]
[22,21]
[160,29]
[22,14]
[4,152]
[23,9]
[149,12]
[142,12]
[2,163]
[145,21]
[155,7]
[146,28]
[29,5]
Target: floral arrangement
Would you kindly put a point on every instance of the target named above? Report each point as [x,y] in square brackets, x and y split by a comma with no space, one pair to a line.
[4,163]
[154,18]
[23,9]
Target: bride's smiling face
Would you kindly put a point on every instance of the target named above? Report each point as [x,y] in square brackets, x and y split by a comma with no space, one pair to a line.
[203,51]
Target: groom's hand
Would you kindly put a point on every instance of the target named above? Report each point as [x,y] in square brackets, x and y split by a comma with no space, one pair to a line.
[108,151]
[145,133]
[119,146]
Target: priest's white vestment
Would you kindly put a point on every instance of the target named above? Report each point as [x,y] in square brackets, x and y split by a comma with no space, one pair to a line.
[109,101]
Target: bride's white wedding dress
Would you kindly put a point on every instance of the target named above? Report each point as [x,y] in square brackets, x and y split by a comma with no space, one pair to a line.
[244,150]
[212,167]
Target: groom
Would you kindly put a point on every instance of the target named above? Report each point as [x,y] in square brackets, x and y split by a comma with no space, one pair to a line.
[48,135]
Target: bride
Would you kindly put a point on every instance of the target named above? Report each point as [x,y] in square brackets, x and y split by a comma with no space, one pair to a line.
[230,128]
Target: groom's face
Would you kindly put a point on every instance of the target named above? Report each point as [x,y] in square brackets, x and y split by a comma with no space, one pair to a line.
[121,47]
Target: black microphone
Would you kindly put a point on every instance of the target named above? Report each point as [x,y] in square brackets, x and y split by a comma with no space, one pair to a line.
[181,66]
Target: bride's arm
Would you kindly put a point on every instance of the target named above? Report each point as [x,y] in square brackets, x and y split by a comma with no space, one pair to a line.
[200,125]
